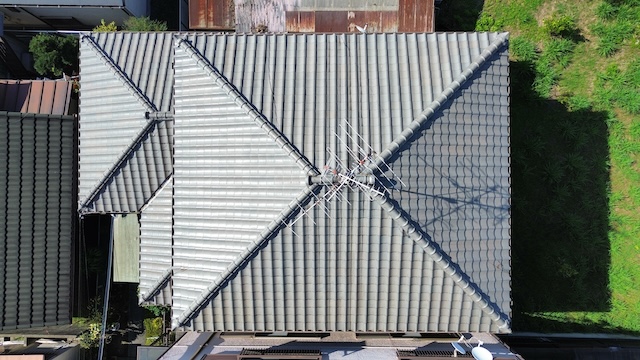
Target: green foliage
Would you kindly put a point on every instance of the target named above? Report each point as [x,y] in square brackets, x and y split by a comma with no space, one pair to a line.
[621,88]
[522,49]
[559,51]
[90,338]
[612,36]
[578,103]
[546,77]
[143,24]
[560,25]
[158,310]
[619,24]
[606,11]
[153,329]
[487,23]
[54,55]
[103,27]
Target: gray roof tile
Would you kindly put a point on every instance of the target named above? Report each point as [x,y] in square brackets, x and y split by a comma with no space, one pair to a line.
[36,185]
[124,156]
[255,115]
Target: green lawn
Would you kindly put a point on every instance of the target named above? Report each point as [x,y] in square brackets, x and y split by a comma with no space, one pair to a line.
[575,76]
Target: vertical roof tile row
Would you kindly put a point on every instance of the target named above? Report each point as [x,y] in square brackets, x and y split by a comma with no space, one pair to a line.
[36,203]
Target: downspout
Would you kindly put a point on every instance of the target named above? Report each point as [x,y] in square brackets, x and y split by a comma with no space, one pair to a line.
[107,289]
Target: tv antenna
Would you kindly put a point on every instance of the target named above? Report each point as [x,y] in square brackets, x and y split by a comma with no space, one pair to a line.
[360,172]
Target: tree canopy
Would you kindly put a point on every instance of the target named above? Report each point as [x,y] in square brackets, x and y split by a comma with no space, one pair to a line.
[54,54]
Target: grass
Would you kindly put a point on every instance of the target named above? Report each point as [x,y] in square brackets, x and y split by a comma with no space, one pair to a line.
[575,75]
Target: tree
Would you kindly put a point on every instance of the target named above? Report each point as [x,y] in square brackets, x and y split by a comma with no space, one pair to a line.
[54,55]
[143,24]
[110,27]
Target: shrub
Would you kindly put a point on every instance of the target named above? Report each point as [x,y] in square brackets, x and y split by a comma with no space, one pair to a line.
[143,24]
[54,55]
[90,338]
[110,27]
[158,310]
[487,23]
[560,25]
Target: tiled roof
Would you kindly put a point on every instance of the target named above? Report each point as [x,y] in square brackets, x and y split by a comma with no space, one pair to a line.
[258,117]
[125,154]
[36,203]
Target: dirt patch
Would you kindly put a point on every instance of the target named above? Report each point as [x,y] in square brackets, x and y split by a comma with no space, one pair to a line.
[545,11]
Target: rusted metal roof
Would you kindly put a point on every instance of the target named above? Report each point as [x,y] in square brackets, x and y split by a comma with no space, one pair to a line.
[311,16]
[212,14]
[415,16]
[50,97]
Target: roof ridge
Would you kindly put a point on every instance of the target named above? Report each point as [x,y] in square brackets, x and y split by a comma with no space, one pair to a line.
[449,267]
[446,94]
[216,285]
[154,120]
[280,139]
[120,75]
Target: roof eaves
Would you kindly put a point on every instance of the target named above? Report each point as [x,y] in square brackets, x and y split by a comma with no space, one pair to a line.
[276,225]
[407,134]
[243,103]
[444,261]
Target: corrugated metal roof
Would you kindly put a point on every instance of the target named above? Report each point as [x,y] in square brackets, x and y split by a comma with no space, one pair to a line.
[279,16]
[36,96]
[256,115]
[125,156]
[36,200]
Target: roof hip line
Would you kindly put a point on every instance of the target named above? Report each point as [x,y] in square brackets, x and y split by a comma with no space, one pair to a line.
[247,255]
[415,126]
[439,257]
[120,75]
[240,100]
[126,155]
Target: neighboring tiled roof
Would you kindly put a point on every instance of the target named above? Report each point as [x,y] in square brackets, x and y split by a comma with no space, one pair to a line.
[257,116]
[36,202]
[36,96]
